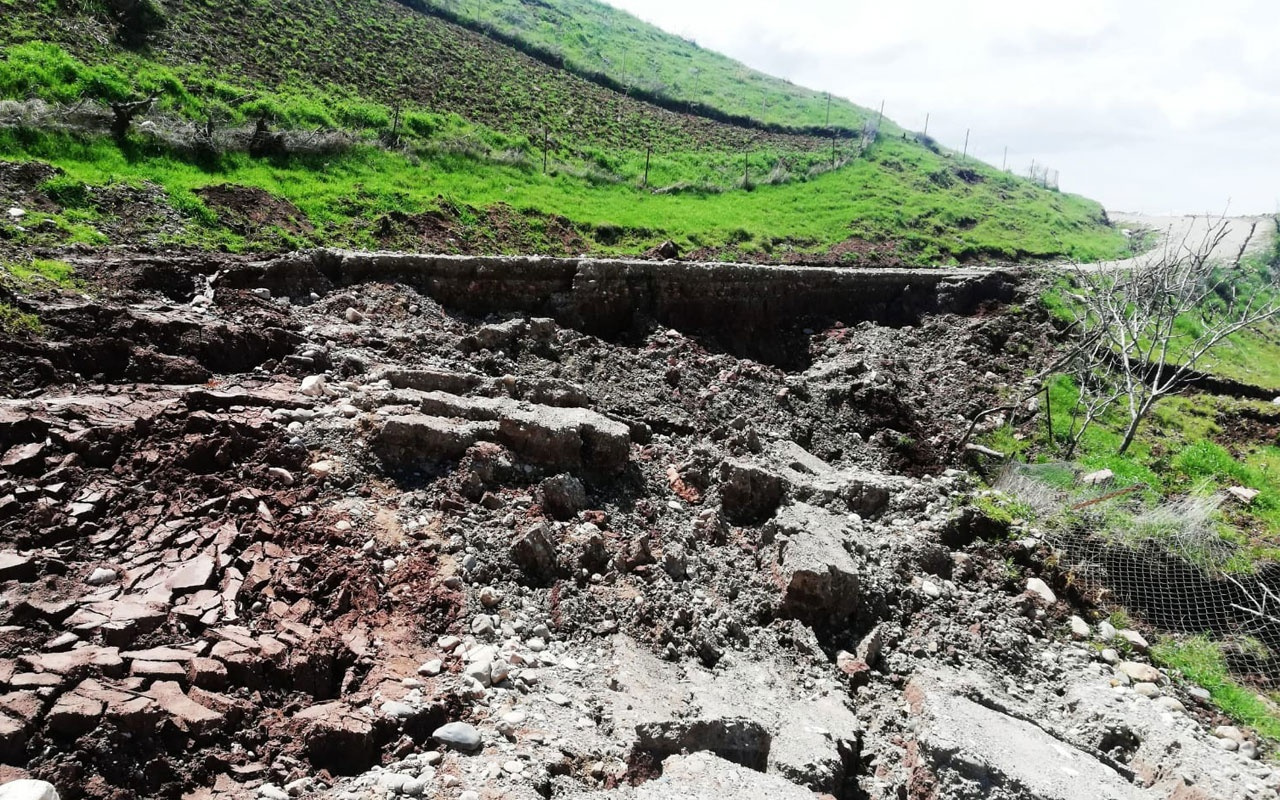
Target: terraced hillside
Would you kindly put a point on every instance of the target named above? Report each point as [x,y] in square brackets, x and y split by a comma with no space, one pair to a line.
[390,127]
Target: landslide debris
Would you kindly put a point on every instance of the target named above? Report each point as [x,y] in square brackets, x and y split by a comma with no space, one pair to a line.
[336,538]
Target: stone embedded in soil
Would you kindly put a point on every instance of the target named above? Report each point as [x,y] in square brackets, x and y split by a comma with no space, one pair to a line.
[535,553]
[1136,671]
[820,576]
[337,737]
[458,735]
[1041,589]
[187,713]
[748,493]
[26,789]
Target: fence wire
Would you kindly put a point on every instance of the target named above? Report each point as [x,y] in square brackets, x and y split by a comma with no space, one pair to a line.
[1167,566]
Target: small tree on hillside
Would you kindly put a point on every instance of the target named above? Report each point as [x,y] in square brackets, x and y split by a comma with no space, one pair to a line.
[1141,331]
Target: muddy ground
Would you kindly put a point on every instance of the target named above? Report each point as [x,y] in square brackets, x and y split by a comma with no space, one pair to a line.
[271,534]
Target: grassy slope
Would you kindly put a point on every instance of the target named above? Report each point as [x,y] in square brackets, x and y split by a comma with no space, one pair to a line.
[466,94]
[594,37]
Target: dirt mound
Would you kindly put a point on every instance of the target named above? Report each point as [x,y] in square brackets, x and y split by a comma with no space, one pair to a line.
[253,212]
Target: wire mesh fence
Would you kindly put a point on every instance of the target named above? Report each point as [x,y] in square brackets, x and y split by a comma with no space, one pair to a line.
[1167,565]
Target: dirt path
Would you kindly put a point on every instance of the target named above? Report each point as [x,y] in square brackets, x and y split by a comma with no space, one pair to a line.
[1191,231]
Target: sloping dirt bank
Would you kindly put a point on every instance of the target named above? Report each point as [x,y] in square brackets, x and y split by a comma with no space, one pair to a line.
[373,525]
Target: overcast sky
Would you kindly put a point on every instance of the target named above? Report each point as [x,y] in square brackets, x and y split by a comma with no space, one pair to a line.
[1146,105]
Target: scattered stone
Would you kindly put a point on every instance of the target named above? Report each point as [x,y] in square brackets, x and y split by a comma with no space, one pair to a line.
[281,474]
[1138,672]
[1135,640]
[1079,628]
[489,597]
[1097,478]
[1243,495]
[26,789]
[313,386]
[431,668]
[101,577]
[353,316]
[1041,589]
[458,735]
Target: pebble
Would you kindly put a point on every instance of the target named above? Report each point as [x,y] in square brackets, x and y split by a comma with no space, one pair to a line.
[281,474]
[1111,656]
[1079,628]
[312,385]
[101,577]
[513,767]
[1249,750]
[321,469]
[536,644]
[261,292]
[1230,745]
[1106,631]
[1229,732]
[1200,694]
[431,668]
[482,625]
[353,316]
[558,699]
[514,717]
[272,792]
[433,757]
[490,597]
[1041,590]
[930,589]
[1137,640]
[1139,672]
[448,643]
[458,735]
[1146,689]
[397,710]
[1171,704]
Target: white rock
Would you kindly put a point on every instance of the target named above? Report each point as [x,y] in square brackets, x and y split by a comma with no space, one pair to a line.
[1171,704]
[1230,745]
[1137,640]
[482,625]
[479,671]
[101,577]
[1079,628]
[514,717]
[536,644]
[1146,689]
[262,292]
[930,589]
[512,767]
[353,316]
[16,214]
[558,699]
[1097,478]
[1136,671]
[431,668]
[448,643]
[28,789]
[499,670]
[490,597]
[281,474]
[1042,590]
[349,411]
[397,710]
[1249,750]
[1244,495]
[270,791]
[313,385]
[1111,656]
[1106,631]
[322,469]
[1229,732]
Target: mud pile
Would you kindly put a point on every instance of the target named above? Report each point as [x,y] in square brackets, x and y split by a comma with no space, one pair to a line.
[309,528]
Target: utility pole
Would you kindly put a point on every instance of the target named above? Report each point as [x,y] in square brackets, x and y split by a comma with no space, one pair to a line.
[832,131]
[648,153]
[1004,162]
[880,119]
[546,138]
[926,124]
[746,168]
[965,155]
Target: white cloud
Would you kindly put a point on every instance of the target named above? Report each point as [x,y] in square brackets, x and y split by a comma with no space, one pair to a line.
[1143,104]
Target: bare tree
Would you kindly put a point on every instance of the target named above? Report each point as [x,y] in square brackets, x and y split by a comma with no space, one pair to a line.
[1141,331]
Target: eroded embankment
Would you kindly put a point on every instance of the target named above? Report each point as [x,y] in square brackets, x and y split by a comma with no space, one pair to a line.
[751,310]
[267,525]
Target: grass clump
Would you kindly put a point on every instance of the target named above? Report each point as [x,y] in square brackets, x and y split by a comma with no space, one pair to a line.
[1201,661]
[15,321]
[59,273]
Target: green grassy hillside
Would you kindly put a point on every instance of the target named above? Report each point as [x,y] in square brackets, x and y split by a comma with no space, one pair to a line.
[592,37]
[395,114]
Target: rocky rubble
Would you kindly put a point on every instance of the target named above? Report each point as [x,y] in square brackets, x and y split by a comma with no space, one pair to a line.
[273,548]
